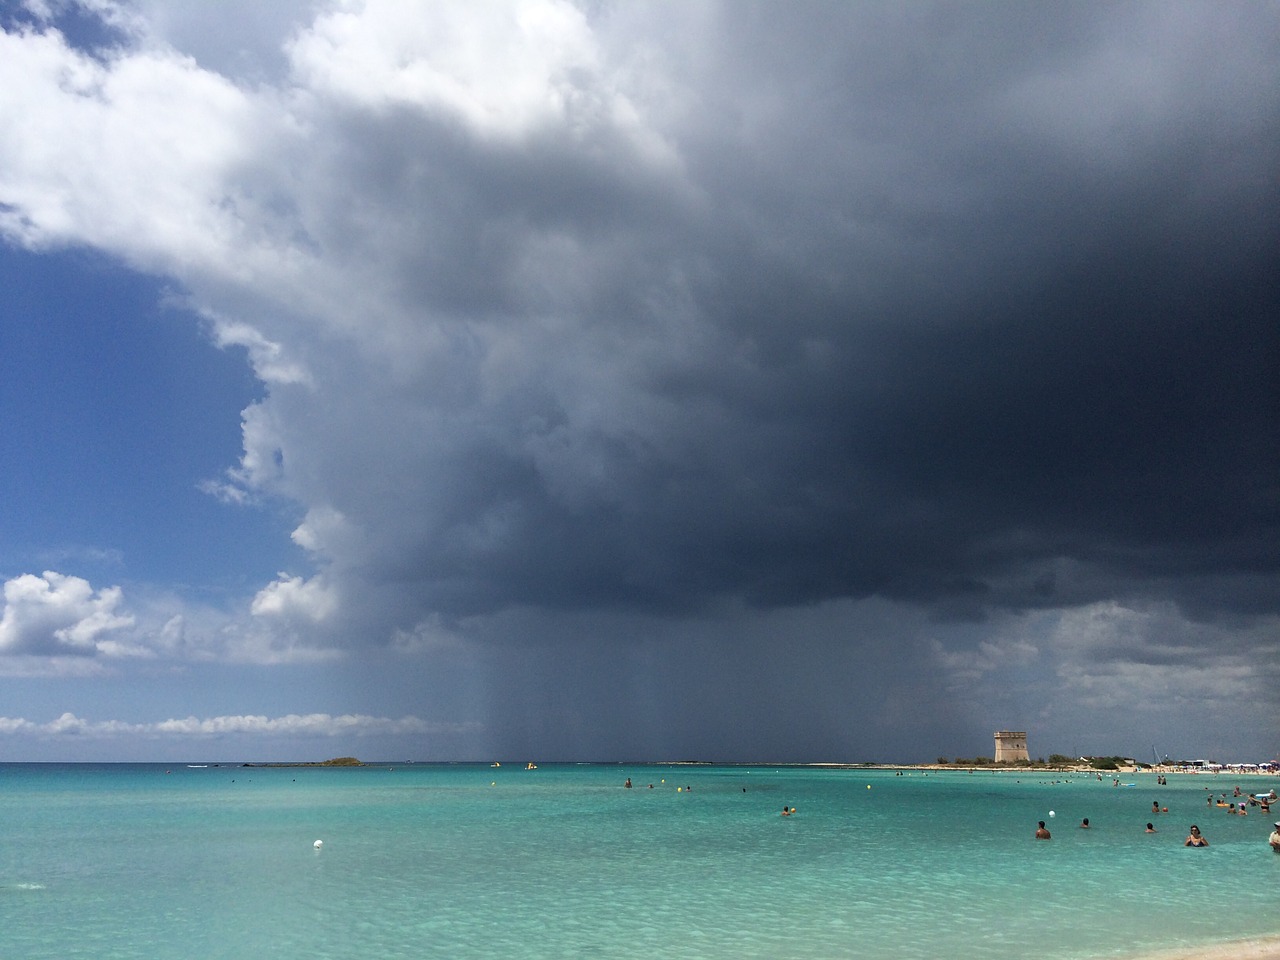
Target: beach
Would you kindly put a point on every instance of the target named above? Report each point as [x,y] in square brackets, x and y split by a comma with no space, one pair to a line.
[1265,948]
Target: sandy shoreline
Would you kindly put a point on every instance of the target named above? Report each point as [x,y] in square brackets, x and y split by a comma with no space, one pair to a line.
[1253,948]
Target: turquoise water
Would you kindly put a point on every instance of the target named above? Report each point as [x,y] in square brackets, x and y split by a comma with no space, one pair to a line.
[128,861]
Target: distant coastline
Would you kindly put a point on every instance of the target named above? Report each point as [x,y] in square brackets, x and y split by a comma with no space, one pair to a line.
[1076,768]
[335,762]
[1021,768]
[1024,768]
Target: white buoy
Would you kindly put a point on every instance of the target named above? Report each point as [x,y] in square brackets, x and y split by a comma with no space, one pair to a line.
[319,844]
[1052,814]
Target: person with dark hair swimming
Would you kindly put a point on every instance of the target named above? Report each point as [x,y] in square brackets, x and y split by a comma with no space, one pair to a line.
[1195,839]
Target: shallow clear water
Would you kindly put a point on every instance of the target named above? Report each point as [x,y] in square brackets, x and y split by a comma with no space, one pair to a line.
[129,861]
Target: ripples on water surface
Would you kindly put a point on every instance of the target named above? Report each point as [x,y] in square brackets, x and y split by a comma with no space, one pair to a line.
[126,861]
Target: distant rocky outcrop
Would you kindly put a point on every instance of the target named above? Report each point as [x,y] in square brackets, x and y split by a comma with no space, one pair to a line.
[335,762]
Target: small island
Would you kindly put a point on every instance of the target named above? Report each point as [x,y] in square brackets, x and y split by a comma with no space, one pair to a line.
[335,762]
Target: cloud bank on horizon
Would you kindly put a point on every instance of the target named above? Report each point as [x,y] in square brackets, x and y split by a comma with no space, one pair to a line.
[312,725]
[663,374]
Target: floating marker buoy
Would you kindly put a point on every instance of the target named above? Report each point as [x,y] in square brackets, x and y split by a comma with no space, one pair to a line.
[318,844]
[868,786]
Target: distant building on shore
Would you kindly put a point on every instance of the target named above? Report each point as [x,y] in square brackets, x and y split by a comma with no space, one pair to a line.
[1011,745]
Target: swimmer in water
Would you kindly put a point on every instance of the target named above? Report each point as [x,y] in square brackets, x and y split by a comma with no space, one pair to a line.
[1194,839]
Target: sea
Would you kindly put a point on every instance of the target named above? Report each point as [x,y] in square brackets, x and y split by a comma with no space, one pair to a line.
[417,860]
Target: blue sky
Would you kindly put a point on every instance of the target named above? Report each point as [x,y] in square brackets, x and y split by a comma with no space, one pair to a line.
[120,409]
[564,381]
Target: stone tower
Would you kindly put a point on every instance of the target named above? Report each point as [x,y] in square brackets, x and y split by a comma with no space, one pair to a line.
[1011,745]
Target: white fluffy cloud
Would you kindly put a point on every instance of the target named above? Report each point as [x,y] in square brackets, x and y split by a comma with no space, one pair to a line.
[267,358]
[295,598]
[60,625]
[156,137]
[58,615]
[441,58]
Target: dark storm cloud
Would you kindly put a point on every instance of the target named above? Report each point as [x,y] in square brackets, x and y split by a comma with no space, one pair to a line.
[965,306]
[737,379]
[937,304]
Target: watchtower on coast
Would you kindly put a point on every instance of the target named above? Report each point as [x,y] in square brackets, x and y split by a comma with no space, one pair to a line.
[1011,745]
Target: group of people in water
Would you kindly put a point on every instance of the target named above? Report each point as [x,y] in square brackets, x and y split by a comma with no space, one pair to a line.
[628,785]
[1262,801]
[1195,838]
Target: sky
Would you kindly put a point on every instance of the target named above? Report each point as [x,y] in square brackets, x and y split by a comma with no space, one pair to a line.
[543,380]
